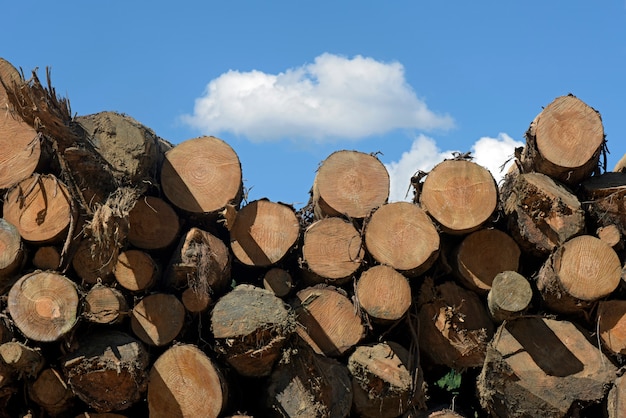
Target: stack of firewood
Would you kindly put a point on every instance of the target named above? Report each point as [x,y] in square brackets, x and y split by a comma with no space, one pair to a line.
[136,280]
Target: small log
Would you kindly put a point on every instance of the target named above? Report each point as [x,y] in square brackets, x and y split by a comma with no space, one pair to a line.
[522,378]
[263,233]
[332,250]
[105,305]
[482,255]
[202,175]
[184,382]
[278,281]
[51,392]
[460,195]
[11,250]
[195,301]
[351,184]
[454,326]
[401,235]
[616,400]
[611,320]
[108,371]
[611,235]
[580,272]
[135,270]
[153,224]
[92,266]
[309,385]
[541,213]
[564,141]
[329,321]
[47,258]
[509,296]
[251,326]
[158,318]
[604,200]
[40,207]
[383,293]
[43,305]
[25,361]
[382,380]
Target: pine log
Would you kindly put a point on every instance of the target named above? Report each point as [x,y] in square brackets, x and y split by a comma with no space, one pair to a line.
[47,258]
[454,326]
[383,293]
[604,200]
[329,322]
[616,400]
[620,166]
[201,262]
[383,380]
[460,195]
[251,325]
[135,270]
[578,273]
[332,250]
[92,266]
[158,318]
[20,146]
[278,281]
[153,224]
[401,235]
[541,213]
[186,383]
[351,184]
[611,320]
[263,233]
[202,175]
[105,305]
[195,301]
[43,305]
[309,385]
[25,361]
[564,141]
[539,367]
[51,392]
[11,250]
[40,207]
[482,255]
[108,371]
[509,296]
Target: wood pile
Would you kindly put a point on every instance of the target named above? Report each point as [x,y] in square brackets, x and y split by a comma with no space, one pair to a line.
[136,280]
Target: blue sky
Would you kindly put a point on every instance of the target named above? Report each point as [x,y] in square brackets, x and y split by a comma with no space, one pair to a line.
[286,83]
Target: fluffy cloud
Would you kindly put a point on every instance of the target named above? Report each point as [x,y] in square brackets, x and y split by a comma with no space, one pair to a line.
[491,153]
[332,98]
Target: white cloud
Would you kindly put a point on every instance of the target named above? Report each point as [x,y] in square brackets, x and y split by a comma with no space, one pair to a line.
[424,154]
[334,97]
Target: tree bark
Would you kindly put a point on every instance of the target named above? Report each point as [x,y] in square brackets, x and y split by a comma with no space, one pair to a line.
[460,195]
[383,293]
[157,319]
[186,383]
[604,200]
[332,250]
[136,270]
[105,305]
[202,175]
[25,361]
[616,401]
[401,235]
[12,253]
[564,141]
[510,295]
[350,184]
[153,224]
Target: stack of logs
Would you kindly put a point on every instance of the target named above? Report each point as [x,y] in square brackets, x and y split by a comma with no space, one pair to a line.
[135,279]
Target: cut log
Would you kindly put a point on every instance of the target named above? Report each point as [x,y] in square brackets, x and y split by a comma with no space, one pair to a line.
[611,320]
[329,321]
[40,207]
[522,378]
[460,195]
[616,401]
[401,235]
[158,318]
[25,361]
[185,383]
[135,270]
[263,233]
[604,200]
[11,250]
[251,326]
[454,326]
[20,146]
[509,296]
[332,250]
[43,305]
[482,255]
[202,175]
[47,258]
[108,371]
[309,385]
[195,301]
[351,184]
[153,224]
[278,281]
[92,266]
[611,235]
[51,392]
[382,380]
[580,272]
[105,305]
[541,214]
[564,141]
[383,293]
